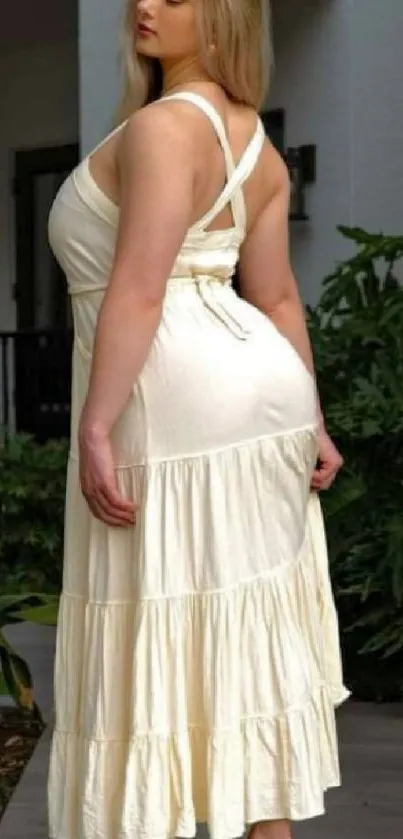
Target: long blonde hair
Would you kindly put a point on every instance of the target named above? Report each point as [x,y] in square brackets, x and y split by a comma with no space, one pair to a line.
[240,62]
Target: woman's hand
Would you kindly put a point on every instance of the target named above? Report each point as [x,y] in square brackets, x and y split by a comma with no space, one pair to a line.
[330,462]
[98,481]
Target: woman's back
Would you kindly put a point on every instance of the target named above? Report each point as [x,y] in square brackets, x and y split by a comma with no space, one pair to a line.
[239,124]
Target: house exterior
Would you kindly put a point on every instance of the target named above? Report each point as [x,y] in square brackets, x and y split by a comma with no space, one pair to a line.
[338,78]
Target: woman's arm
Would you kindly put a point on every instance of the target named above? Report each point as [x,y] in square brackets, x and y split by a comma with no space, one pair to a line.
[266,277]
[156,165]
[156,176]
[267,281]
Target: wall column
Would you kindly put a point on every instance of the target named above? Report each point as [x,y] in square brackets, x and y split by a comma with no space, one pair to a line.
[99,23]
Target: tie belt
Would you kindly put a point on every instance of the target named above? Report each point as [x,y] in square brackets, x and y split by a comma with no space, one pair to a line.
[206,287]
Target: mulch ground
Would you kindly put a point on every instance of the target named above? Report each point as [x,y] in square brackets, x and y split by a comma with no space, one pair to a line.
[19,734]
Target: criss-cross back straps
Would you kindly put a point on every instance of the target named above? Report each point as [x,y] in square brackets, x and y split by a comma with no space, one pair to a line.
[233,189]
[236,175]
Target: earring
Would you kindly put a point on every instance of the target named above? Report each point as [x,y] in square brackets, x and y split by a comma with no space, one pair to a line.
[212,48]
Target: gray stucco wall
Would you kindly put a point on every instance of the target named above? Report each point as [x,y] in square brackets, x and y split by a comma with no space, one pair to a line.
[99,22]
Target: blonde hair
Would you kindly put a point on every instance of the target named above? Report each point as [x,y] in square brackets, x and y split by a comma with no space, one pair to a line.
[240,61]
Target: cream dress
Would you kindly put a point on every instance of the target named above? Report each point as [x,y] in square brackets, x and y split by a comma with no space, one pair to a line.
[197,663]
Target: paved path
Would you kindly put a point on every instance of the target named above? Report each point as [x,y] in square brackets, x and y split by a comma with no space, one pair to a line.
[369,805]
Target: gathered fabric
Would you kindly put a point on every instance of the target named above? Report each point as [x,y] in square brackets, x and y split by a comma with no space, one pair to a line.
[198,663]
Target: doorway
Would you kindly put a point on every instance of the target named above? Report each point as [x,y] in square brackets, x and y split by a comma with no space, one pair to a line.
[43,339]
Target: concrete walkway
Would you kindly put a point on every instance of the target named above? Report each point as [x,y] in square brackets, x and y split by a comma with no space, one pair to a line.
[369,805]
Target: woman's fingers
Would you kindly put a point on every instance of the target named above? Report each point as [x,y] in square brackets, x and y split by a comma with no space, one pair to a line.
[323,478]
[99,485]
[330,462]
[113,497]
[115,504]
[106,503]
[105,516]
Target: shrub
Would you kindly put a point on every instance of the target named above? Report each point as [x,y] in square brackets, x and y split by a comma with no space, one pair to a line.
[32,489]
[357,334]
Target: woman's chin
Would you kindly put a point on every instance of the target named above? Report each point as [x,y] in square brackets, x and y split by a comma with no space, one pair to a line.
[143,47]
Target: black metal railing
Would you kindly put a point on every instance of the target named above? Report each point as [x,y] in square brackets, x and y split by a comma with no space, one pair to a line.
[35,376]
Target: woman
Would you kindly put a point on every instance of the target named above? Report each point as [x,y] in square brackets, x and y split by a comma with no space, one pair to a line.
[197,664]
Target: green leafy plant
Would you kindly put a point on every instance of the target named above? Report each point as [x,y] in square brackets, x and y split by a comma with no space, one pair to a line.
[16,675]
[357,334]
[32,489]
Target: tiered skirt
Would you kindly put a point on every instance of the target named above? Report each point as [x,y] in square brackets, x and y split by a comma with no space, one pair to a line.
[197,666]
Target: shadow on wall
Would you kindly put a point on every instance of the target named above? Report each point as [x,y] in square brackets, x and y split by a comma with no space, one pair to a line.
[24,23]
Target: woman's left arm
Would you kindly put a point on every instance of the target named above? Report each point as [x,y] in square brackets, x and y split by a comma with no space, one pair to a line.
[267,281]
[156,163]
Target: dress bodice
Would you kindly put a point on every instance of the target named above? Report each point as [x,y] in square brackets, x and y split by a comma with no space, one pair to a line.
[83,221]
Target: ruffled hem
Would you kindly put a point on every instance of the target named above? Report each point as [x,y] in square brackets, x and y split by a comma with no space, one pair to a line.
[196,681]
[227,717]
[161,786]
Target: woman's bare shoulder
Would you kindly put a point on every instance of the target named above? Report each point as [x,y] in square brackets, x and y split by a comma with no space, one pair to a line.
[160,125]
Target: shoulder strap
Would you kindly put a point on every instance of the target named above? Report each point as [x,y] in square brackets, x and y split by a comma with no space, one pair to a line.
[236,175]
[236,199]
[212,114]
[233,190]
[108,137]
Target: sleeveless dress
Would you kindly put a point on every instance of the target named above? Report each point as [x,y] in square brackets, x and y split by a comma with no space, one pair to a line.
[197,664]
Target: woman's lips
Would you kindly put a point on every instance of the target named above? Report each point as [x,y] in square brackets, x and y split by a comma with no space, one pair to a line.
[145,31]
